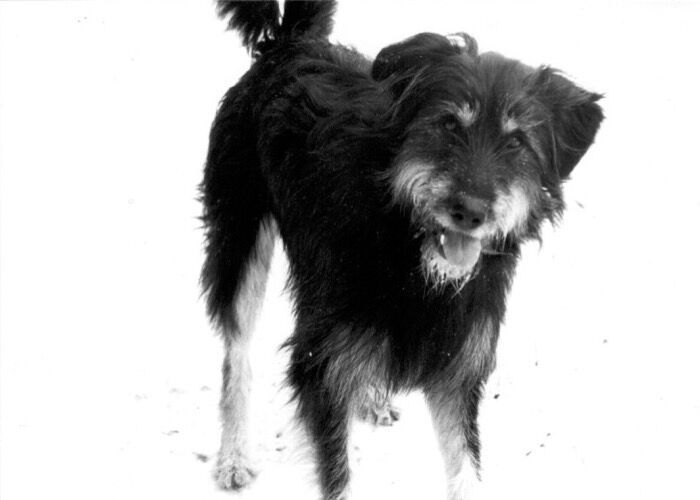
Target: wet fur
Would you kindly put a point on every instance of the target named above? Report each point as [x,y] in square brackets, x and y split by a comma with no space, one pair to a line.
[320,140]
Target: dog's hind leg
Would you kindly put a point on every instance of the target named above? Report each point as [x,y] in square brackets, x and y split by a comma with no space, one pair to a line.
[233,468]
[454,414]
[240,241]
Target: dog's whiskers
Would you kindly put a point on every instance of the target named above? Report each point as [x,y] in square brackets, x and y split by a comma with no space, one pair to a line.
[488,251]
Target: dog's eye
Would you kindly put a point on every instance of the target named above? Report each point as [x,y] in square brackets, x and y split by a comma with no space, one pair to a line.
[449,123]
[514,142]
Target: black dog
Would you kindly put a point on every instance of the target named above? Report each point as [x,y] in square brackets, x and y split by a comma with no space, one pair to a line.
[402,189]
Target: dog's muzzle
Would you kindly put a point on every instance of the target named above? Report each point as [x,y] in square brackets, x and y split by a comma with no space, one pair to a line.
[456,234]
[467,213]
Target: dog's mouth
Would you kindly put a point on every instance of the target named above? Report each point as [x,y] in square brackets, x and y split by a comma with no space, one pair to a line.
[455,237]
[449,255]
[458,249]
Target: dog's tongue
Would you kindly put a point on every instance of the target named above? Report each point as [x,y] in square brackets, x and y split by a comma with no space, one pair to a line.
[460,250]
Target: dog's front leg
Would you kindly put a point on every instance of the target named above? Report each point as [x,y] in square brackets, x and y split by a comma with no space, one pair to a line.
[326,417]
[325,410]
[454,413]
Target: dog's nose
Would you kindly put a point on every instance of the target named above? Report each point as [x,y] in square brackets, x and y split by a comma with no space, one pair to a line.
[468,212]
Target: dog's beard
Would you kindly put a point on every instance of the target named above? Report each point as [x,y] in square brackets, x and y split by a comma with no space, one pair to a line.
[452,257]
[448,256]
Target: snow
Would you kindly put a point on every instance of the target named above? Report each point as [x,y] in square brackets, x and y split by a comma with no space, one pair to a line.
[109,372]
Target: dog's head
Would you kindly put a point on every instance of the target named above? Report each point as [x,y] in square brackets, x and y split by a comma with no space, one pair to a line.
[485,144]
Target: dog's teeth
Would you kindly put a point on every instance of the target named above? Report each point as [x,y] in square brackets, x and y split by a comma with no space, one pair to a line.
[442,239]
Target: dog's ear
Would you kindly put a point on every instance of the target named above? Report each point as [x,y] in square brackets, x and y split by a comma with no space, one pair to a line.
[575,117]
[406,58]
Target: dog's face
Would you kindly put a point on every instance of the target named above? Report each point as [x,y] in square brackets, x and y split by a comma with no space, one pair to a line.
[486,143]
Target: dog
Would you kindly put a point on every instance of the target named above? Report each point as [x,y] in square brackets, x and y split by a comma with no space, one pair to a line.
[402,189]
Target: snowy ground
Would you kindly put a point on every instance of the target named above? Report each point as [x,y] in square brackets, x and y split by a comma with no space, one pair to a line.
[109,372]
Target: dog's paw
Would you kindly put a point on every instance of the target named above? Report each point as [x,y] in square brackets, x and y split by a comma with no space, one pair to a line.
[388,415]
[234,473]
[381,414]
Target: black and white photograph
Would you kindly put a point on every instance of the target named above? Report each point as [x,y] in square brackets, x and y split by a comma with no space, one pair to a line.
[349,249]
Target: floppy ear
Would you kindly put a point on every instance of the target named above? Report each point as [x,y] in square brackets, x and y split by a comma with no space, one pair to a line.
[403,60]
[575,118]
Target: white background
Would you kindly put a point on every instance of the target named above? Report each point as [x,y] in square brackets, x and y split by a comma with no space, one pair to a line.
[109,371]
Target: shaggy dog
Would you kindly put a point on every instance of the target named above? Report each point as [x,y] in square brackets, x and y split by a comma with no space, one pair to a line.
[402,189]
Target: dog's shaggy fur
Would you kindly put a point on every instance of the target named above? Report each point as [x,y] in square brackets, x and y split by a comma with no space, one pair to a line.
[402,189]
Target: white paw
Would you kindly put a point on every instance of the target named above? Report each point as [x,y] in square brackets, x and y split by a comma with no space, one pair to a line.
[234,473]
[380,414]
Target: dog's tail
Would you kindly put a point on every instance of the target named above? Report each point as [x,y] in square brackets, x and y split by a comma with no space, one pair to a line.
[261,24]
